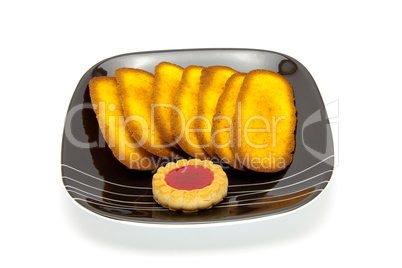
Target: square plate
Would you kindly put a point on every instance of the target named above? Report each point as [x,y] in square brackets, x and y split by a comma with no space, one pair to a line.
[100,184]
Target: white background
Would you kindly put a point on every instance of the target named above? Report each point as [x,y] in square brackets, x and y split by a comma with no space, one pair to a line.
[353,51]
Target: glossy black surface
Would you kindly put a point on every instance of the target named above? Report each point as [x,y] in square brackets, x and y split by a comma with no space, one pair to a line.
[98,182]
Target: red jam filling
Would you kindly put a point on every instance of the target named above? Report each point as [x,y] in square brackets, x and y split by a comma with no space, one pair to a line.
[189,177]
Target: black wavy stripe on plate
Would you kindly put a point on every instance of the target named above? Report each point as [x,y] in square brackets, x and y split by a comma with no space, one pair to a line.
[98,182]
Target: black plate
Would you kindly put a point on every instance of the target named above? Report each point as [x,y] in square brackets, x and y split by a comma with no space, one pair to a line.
[99,183]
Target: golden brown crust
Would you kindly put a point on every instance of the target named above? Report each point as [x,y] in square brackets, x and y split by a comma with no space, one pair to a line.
[135,89]
[105,100]
[212,85]
[165,87]
[247,120]
[222,127]
[193,200]
[184,122]
[265,123]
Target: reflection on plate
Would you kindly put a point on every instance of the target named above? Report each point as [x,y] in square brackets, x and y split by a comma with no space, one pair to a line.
[99,183]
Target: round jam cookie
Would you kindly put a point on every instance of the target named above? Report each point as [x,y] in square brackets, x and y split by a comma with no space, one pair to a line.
[189,185]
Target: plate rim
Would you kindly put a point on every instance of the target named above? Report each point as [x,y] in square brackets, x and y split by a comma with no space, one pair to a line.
[180,225]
